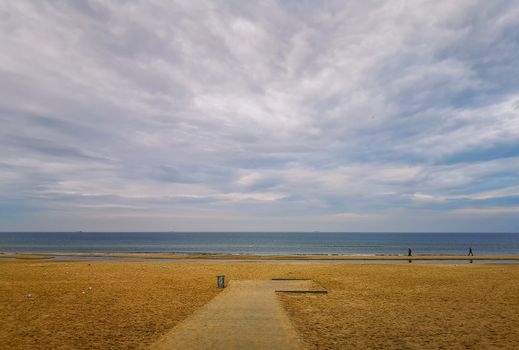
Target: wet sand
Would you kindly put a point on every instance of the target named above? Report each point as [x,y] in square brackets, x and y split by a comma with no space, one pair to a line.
[209,256]
[130,305]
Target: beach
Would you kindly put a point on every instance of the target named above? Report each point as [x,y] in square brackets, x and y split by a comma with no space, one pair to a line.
[259,175]
[130,305]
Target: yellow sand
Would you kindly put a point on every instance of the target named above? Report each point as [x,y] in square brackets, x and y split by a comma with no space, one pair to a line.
[398,306]
[131,304]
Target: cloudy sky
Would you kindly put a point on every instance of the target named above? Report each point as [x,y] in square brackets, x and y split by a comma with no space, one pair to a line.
[271,115]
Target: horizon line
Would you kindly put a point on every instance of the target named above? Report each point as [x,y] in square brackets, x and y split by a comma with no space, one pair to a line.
[238,231]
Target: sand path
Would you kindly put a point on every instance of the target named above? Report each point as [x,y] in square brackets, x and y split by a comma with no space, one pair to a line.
[246,315]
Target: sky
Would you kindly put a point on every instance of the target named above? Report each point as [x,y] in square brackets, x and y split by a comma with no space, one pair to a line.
[259,116]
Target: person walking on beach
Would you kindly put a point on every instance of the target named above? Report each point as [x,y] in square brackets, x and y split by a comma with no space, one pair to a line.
[470,252]
[409,253]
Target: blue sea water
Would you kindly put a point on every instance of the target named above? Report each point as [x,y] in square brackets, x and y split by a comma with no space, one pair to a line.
[263,243]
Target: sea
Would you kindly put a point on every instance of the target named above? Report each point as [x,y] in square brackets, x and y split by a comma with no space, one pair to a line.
[262,243]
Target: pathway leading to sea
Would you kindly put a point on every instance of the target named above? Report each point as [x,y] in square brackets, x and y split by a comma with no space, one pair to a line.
[246,315]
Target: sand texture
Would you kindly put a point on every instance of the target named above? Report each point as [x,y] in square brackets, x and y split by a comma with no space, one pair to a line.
[131,305]
[96,305]
[411,307]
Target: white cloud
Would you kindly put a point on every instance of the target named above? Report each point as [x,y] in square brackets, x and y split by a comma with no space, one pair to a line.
[485,195]
[355,216]
[472,129]
[268,109]
[493,211]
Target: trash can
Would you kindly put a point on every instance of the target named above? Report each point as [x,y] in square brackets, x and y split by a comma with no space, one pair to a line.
[221,281]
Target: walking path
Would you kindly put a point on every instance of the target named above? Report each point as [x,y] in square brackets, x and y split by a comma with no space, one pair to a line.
[246,315]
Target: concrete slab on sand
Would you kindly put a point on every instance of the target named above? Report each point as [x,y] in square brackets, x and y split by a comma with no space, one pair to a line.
[246,315]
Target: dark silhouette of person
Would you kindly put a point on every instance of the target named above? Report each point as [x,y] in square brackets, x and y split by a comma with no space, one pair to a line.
[409,253]
[471,253]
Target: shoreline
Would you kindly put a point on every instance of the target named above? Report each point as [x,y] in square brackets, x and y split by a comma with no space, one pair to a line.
[246,257]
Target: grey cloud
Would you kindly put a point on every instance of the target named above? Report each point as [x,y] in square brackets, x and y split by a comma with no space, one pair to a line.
[49,148]
[268,109]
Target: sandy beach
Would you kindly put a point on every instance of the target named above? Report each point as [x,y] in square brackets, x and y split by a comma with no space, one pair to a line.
[349,168]
[129,305]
